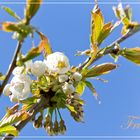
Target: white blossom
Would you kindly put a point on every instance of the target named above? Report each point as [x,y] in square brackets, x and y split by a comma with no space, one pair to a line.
[38,68]
[57,63]
[6,90]
[77,76]
[28,64]
[63,78]
[19,87]
[21,78]
[18,70]
[68,88]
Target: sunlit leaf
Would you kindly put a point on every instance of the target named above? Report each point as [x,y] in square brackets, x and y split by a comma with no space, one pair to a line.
[99,30]
[13,115]
[128,12]
[119,11]
[100,69]
[125,16]
[10,27]
[11,12]
[44,44]
[32,53]
[81,87]
[30,100]
[97,23]
[9,130]
[32,7]
[132,54]
[107,28]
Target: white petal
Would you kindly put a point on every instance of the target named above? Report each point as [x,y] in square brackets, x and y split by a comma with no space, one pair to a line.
[68,88]
[63,78]
[6,90]
[18,70]
[77,76]
[29,64]
[13,98]
[38,68]
[53,61]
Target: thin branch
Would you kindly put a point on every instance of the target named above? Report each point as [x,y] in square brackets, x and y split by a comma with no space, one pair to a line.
[12,66]
[42,104]
[110,48]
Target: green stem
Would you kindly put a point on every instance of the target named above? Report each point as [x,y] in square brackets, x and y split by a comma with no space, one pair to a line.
[59,114]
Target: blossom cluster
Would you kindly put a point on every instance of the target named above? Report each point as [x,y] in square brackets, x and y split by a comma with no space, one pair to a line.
[19,87]
[53,77]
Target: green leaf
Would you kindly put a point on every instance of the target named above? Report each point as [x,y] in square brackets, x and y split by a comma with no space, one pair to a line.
[44,44]
[119,11]
[128,12]
[13,115]
[32,7]
[11,12]
[81,87]
[31,100]
[132,54]
[91,87]
[106,30]
[125,16]
[96,24]
[10,27]
[32,53]
[98,70]
[36,51]
[9,130]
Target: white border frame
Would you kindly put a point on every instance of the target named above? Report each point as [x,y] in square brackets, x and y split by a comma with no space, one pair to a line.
[75,137]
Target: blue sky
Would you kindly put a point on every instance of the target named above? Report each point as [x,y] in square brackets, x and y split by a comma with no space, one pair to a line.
[68,27]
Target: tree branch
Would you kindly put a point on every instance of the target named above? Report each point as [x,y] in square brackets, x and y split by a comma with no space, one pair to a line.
[12,66]
[42,104]
[110,48]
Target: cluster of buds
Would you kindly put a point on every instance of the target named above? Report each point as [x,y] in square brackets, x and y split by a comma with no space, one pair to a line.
[54,128]
[73,100]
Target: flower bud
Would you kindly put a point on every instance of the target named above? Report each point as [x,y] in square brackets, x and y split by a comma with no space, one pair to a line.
[18,70]
[38,122]
[63,78]
[6,90]
[56,127]
[62,127]
[49,128]
[68,88]
[47,120]
[77,76]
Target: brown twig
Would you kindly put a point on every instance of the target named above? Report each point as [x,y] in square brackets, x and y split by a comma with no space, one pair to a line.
[12,66]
